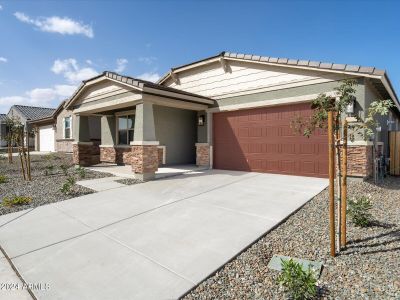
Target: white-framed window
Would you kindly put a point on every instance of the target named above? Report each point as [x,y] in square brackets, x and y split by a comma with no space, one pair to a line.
[67,127]
[125,128]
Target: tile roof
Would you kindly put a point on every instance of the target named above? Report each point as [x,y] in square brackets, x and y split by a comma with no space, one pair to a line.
[306,63]
[135,82]
[144,83]
[327,66]
[34,113]
[3,117]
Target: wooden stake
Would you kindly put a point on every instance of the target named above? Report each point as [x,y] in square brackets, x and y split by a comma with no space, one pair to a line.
[331,183]
[338,169]
[28,162]
[343,228]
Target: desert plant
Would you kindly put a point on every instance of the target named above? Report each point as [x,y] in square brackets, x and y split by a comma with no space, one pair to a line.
[71,180]
[51,157]
[358,210]
[67,186]
[64,169]
[297,283]
[16,201]
[3,179]
[81,172]
[49,170]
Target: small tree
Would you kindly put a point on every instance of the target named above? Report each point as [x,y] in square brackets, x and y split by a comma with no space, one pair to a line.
[17,136]
[344,95]
[10,137]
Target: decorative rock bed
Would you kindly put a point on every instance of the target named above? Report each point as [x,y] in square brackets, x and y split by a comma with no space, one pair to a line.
[368,269]
[43,189]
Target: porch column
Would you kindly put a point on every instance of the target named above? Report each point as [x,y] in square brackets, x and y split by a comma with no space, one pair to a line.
[85,153]
[108,140]
[37,138]
[203,145]
[144,145]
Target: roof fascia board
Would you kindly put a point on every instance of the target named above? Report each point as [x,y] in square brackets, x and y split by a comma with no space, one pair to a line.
[216,59]
[94,81]
[357,74]
[160,100]
[176,95]
[195,65]
[388,86]
[44,120]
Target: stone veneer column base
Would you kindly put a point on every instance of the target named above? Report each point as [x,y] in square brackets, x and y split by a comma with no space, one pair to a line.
[85,153]
[145,161]
[203,154]
[120,155]
[359,161]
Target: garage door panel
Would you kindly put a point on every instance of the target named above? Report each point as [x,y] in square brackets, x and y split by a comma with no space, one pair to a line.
[308,149]
[46,138]
[262,140]
[308,167]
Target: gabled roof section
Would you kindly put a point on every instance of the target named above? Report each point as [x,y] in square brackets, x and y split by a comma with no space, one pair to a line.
[34,113]
[53,116]
[306,63]
[280,61]
[138,84]
[355,70]
[3,118]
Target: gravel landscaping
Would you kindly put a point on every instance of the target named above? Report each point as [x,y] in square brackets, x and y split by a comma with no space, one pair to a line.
[368,269]
[129,181]
[47,180]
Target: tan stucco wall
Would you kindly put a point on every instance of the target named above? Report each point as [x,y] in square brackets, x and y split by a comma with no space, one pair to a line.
[63,145]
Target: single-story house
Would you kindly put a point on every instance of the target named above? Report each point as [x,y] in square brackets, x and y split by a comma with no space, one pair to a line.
[229,111]
[3,130]
[54,133]
[26,114]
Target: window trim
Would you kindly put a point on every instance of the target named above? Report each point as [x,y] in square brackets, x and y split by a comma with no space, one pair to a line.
[70,127]
[123,114]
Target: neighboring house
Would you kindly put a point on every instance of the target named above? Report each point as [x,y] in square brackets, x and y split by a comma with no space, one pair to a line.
[230,111]
[25,114]
[55,132]
[3,130]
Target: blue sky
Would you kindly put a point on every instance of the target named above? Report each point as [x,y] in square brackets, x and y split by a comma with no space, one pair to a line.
[48,47]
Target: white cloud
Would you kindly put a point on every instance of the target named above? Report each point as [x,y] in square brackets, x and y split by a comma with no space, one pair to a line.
[89,62]
[3,59]
[149,76]
[44,97]
[121,65]
[147,59]
[55,24]
[70,69]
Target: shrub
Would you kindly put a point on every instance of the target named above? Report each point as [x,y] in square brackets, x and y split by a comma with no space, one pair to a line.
[64,168]
[16,201]
[49,170]
[81,172]
[297,283]
[3,179]
[67,186]
[358,211]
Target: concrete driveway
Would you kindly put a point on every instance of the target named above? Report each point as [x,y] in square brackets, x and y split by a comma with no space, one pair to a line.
[155,240]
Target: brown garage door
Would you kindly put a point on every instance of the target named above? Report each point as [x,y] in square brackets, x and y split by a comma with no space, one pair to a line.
[262,140]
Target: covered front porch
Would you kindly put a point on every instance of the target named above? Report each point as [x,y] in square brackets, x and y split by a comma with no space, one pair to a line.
[144,126]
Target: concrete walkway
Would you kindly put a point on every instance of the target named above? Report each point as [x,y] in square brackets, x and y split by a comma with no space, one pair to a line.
[12,287]
[154,240]
[102,184]
[162,172]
